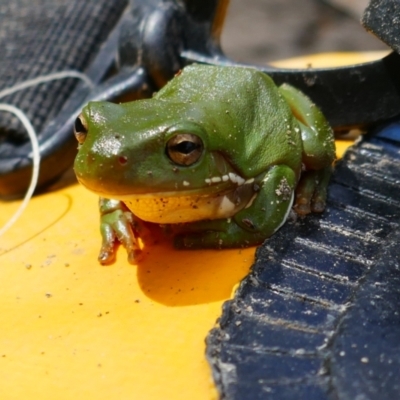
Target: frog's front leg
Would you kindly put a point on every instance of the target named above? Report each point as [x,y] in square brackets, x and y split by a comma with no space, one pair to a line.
[117,223]
[263,216]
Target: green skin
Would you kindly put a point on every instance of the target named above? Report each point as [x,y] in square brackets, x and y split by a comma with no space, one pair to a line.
[274,138]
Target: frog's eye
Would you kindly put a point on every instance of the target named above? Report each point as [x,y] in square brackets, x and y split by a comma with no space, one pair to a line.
[80,129]
[184,149]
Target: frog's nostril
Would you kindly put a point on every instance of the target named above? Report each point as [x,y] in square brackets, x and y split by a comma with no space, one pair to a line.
[80,129]
[123,160]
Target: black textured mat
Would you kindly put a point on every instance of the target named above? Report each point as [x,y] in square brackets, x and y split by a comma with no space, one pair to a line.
[43,36]
[37,38]
[318,316]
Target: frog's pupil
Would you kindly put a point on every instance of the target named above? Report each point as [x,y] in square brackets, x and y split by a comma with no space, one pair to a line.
[186,147]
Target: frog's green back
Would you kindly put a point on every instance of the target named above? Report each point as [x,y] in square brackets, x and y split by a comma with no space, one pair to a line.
[247,118]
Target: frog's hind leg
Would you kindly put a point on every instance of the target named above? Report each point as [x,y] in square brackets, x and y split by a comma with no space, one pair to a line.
[311,191]
[318,151]
[316,134]
[260,219]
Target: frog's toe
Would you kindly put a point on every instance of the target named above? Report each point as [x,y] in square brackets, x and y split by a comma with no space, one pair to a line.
[318,206]
[311,191]
[106,256]
[135,255]
[318,202]
[302,206]
[305,205]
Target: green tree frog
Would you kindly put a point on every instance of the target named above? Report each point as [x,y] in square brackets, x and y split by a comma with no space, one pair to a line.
[220,154]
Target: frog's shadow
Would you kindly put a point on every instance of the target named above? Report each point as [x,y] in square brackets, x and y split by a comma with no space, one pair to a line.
[188,277]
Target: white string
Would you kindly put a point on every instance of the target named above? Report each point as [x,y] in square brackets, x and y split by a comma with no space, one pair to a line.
[46,78]
[31,132]
[36,161]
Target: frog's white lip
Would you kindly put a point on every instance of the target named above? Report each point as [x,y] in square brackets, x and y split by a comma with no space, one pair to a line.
[175,193]
[203,191]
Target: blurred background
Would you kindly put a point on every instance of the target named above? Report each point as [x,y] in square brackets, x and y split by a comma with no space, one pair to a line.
[259,31]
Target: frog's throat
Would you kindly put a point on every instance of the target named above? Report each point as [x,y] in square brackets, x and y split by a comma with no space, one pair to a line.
[222,197]
[184,208]
[193,205]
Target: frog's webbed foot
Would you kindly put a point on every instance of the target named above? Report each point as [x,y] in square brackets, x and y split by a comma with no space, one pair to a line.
[311,191]
[118,225]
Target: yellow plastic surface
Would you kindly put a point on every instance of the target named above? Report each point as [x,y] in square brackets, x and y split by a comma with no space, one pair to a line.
[71,328]
[327,60]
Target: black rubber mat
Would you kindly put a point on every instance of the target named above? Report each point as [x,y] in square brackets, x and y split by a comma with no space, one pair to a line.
[318,316]
[43,36]
[37,38]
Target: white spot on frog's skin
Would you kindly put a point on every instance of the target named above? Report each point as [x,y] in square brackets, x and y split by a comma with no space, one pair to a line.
[98,118]
[283,190]
[186,183]
[236,179]
[107,146]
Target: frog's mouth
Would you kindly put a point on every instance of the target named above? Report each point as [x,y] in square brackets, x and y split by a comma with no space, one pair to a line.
[215,185]
[180,190]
